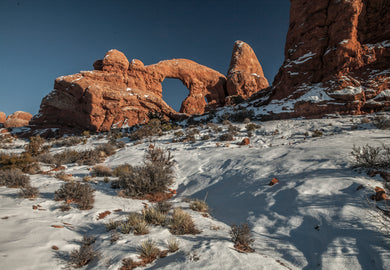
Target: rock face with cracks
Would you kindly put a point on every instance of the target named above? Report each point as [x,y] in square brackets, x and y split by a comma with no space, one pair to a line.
[337,59]
[245,76]
[120,93]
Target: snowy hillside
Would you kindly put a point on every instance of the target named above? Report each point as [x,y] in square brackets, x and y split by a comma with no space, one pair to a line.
[314,218]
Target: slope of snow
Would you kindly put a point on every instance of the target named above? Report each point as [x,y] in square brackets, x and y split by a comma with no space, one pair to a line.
[314,218]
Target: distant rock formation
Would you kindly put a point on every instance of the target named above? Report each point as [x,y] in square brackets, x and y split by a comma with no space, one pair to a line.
[245,76]
[17,119]
[3,117]
[337,59]
[119,93]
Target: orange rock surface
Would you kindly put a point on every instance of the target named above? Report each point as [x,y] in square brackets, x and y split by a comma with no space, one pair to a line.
[17,119]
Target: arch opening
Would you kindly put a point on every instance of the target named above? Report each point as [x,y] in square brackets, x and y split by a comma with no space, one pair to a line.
[174,92]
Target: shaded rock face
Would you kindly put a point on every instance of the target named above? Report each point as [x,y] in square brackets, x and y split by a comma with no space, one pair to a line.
[118,93]
[3,117]
[17,119]
[245,76]
[337,58]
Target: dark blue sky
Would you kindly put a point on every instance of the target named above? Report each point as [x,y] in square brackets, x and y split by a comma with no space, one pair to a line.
[42,40]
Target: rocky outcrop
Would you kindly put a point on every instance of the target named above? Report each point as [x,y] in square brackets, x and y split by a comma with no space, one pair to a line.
[3,117]
[118,93]
[17,119]
[336,59]
[245,76]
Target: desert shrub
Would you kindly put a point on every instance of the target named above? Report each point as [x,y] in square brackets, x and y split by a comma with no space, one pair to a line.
[226,137]
[85,254]
[182,223]
[233,129]
[87,178]
[317,133]
[381,122]
[69,141]
[226,122]
[24,162]
[246,121]
[199,205]
[205,137]
[154,216]
[122,170]
[381,215]
[148,251]
[45,157]
[156,175]
[238,116]
[108,149]
[89,157]
[241,237]
[214,127]
[29,192]
[173,244]
[371,156]
[101,170]
[167,126]
[64,176]
[86,133]
[80,193]
[34,147]
[163,206]
[64,207]
[14,178]
[152,128]
[178,134]
[252,127]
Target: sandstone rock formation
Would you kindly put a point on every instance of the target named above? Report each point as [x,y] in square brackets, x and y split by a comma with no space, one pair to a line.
[336,59]
[17,119]
[118,93]
[245,76]
[3,117]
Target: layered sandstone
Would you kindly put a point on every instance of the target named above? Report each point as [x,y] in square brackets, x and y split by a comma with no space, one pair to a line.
[118,93]
[336,59]
[245,76]
[17,119]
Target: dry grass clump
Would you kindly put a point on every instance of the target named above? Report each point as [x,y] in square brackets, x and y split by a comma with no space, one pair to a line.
[372,157]
[85,254]
[154,216]
[199,206]
[128,264]
[80,193]
[182,223]
[173,244]
[152,128]
[134,223]
[112,225]
[252,126]
[101,170]
[122,170]
[154,176]
[317,133]
[241,237]
[148,251]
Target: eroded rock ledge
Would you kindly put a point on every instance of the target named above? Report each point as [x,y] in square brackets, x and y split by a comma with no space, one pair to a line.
[120,93]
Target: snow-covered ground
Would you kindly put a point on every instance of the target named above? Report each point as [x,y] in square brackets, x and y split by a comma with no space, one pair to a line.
[314,218]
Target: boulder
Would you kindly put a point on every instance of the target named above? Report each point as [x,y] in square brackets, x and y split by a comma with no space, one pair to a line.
[245,141]
[273,181]
[3,118]
[245,76]
[336,60]
[17,119]
[380,194]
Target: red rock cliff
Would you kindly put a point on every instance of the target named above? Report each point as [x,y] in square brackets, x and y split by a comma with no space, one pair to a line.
[336,58]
